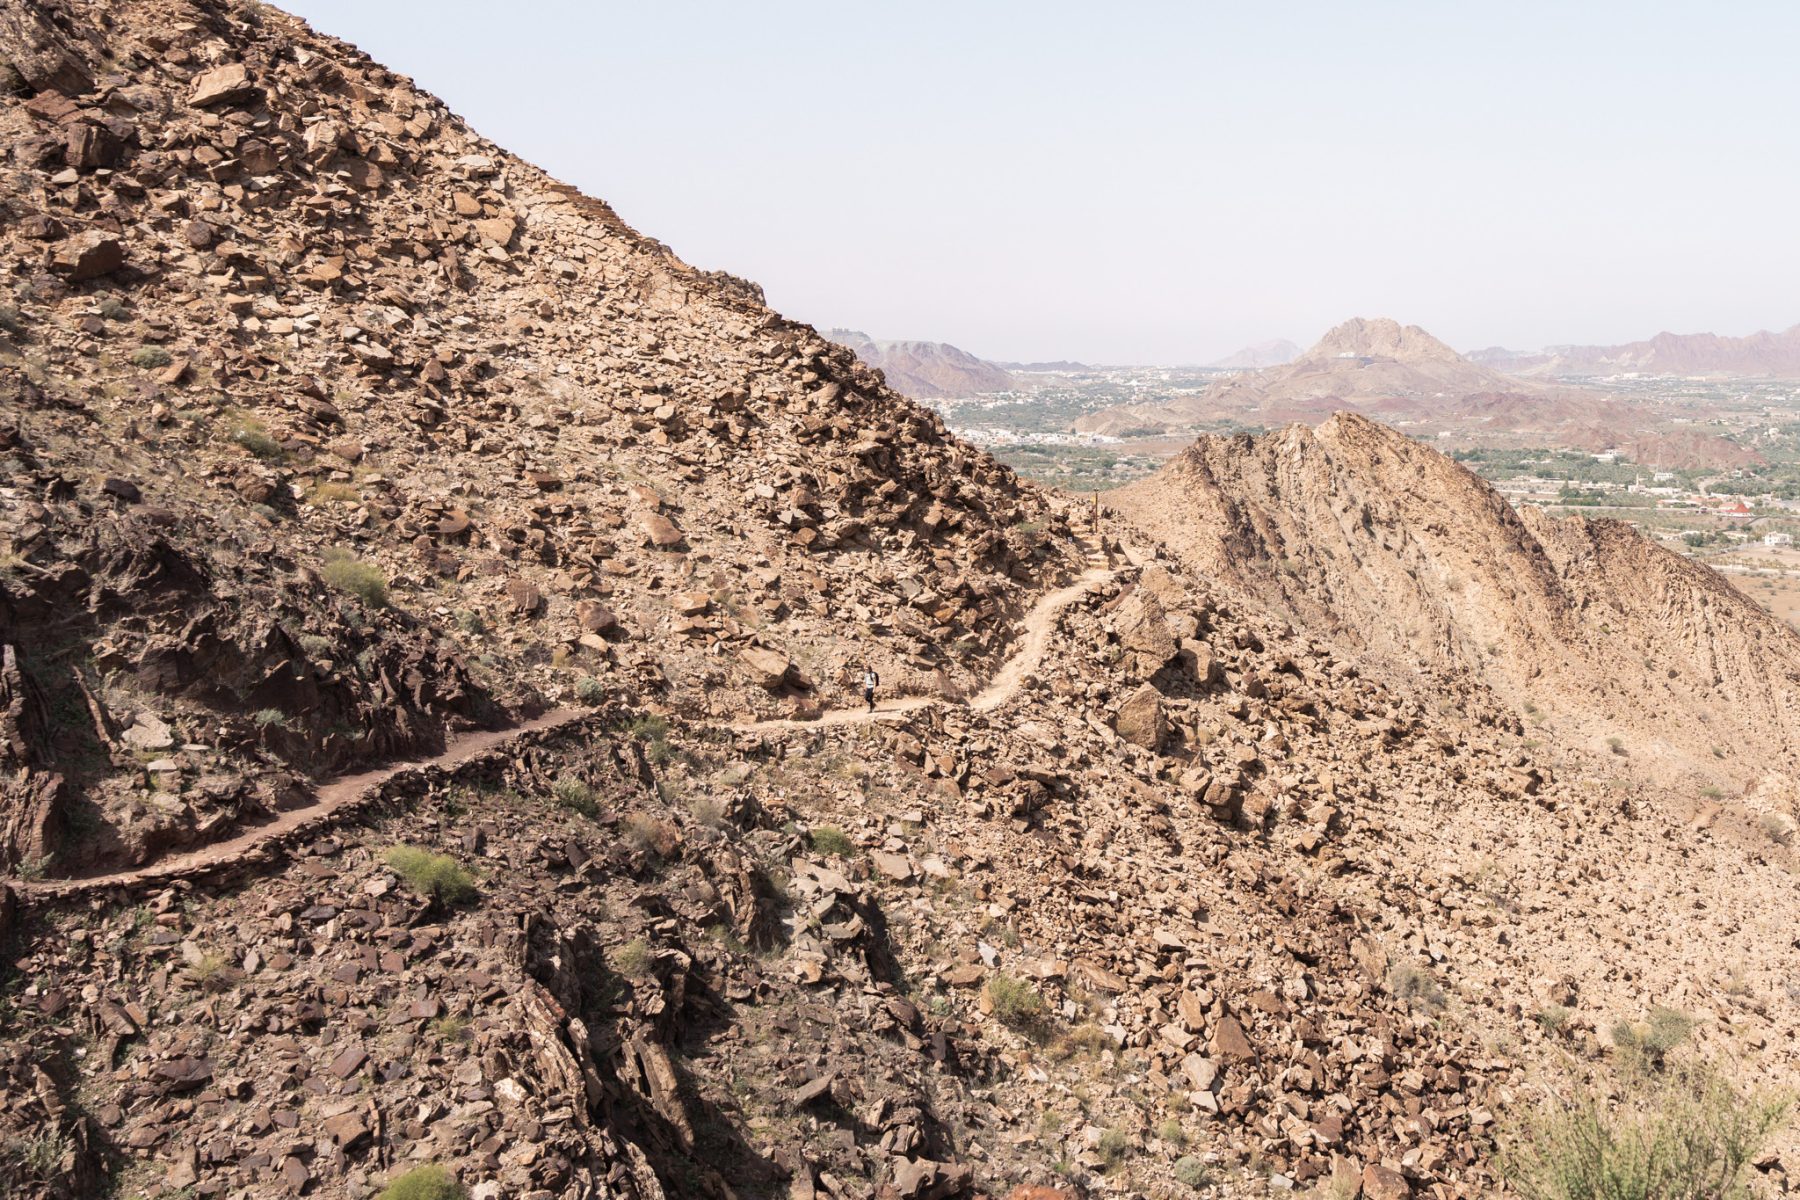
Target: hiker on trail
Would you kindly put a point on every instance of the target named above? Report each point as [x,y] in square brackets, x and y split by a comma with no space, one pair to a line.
[871,681]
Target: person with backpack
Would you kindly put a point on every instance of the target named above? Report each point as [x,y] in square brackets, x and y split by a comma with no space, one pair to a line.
[870,681]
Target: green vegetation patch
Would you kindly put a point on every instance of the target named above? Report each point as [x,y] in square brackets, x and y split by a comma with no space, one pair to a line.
[434,876]
[430,1182]
[364,580]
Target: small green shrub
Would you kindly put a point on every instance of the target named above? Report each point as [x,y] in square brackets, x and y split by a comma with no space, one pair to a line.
[1192,1172]
[39,1159]
[266,717]
[424,1183]
[633,958]
[253,436]
[1085,1038]
[572,793]
[1016,1004]
[1646,1045]
[1416,987]
[333,493]
[435,876]
[317,645]
[653,732]
[150,357]
[589,690]
[362,580]
[1688,1138]
[1616,745]
[1171,1131]
[708,810]
[1113,1146]
[1554,1018]
[829,839]
[470,622]
[211,972]
[112,308]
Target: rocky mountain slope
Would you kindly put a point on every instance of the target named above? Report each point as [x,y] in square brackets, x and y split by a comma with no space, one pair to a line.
[430,616]
[283,332]
[1758,355]
[926,370]
[1582,626]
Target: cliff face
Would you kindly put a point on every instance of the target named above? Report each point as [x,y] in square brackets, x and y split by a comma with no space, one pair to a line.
[1359,530]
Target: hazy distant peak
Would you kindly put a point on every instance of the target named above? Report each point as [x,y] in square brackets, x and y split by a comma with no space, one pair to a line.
[1273,353]
[931,369]
[1381,337]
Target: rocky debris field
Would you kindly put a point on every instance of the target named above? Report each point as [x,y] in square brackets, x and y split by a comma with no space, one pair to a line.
[334,437]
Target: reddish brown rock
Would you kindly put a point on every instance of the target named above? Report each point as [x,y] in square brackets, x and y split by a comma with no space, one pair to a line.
[768,668]
[89,256]
[1384,1183]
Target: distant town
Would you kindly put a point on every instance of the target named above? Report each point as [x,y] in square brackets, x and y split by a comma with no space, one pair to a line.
[1741,520]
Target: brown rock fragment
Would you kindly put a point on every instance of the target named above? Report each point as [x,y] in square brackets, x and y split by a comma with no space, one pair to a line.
[1230,1043]
[1140,719]
[1384,1183]
[88,256]
[768,668]
[226,85]
[661,532]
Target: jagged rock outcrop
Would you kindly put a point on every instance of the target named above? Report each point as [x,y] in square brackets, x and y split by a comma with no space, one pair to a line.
[1364,535]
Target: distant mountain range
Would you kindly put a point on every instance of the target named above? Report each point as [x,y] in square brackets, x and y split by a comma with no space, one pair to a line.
[926,370]
[1367,364]
[1760,355]
[1061,364]
[1402,375]
[1274,353]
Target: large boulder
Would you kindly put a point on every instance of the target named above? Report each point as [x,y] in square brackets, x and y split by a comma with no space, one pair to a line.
[88,256]
[922,1179]
[1140,719]
[1384,1183]
[229,84]
[1143,629]
[768,668]
[1196,658]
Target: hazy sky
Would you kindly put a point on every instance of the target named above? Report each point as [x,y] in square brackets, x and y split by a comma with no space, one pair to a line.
[1163,182]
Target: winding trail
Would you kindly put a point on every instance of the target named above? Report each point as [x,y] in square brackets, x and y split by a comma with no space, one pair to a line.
[327,801]
[265,841]
[1005,684]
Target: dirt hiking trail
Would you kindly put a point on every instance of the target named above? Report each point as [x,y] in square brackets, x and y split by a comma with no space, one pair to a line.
[252,842]
[326,802]
[1036,629]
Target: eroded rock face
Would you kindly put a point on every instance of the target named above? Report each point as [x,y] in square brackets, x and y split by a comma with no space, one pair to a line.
[43,52]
